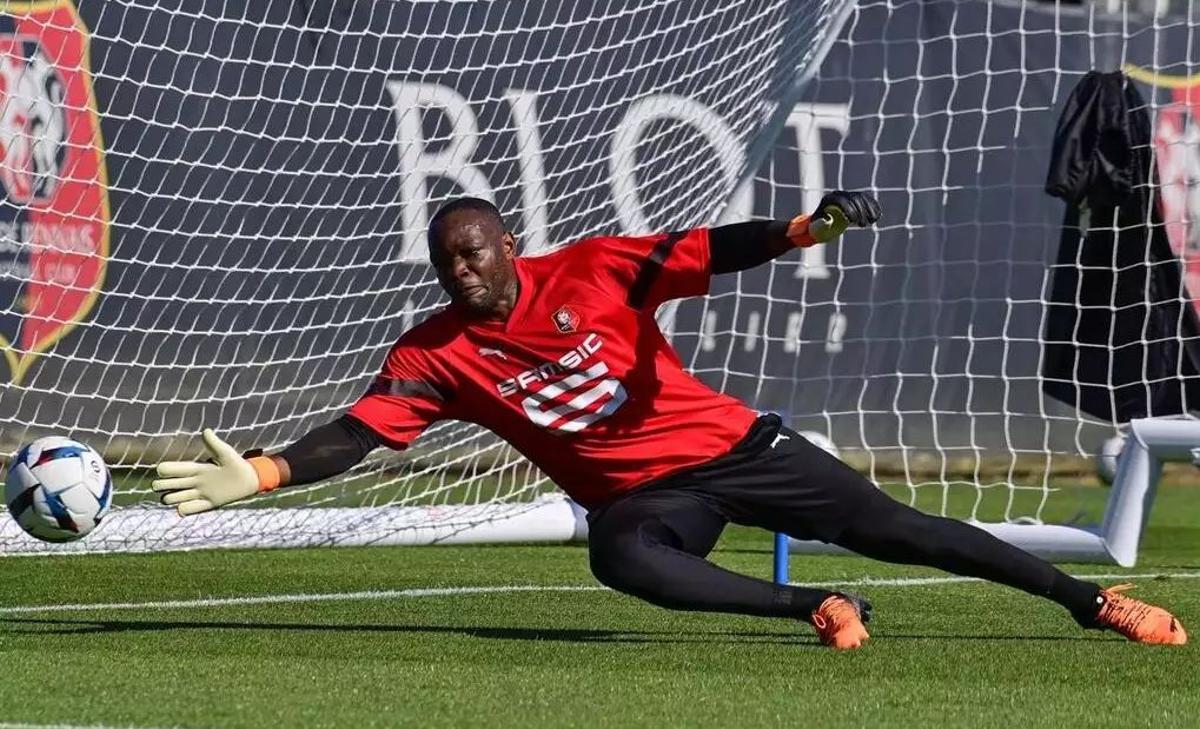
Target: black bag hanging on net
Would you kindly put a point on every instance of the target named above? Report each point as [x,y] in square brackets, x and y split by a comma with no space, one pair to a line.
[1122,338]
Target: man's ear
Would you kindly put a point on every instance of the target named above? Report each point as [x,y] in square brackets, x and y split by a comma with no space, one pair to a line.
[510,245]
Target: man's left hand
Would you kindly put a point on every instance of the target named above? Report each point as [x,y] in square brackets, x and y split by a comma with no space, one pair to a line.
[839,210]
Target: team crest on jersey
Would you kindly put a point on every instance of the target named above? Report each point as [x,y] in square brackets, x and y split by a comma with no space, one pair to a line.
[566,319]
[54,221]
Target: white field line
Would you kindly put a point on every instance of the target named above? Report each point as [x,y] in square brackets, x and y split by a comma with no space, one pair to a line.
[298,597]
[19,725]
[951,579]
[495,589]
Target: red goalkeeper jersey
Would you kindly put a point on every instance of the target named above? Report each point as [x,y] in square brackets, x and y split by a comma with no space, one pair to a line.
[579,379]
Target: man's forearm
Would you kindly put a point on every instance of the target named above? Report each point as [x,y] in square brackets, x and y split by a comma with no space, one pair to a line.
[194,487]
[325,451]
[742,246]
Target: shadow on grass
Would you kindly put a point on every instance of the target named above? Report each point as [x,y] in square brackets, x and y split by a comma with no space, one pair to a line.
[60,626]
[1090,636]
[743,550]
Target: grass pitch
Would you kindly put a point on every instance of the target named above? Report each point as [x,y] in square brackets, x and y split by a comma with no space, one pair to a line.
[307,638]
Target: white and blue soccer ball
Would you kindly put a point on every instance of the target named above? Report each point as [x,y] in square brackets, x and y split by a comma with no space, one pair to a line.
[58,489]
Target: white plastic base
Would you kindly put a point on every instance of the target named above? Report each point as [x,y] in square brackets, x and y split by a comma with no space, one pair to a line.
[1052,542]
[556,519]
[159,529]
[1152,442]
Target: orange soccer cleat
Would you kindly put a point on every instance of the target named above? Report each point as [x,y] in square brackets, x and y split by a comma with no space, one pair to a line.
[1138,621]
[839,621]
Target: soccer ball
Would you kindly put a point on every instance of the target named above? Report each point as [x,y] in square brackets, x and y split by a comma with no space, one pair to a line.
[58,489]
[1106,458]
[821,441]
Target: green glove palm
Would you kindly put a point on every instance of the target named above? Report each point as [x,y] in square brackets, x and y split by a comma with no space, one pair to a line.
[839,210]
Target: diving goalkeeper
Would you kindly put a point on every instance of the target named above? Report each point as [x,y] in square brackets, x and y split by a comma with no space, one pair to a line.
[561,356]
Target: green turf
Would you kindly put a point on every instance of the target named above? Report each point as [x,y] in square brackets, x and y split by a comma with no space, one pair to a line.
[946,654]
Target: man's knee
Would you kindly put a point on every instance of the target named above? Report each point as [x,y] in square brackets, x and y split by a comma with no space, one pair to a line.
[604,568]
[626,561]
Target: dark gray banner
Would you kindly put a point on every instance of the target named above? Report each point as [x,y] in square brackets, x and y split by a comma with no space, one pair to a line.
[271,168]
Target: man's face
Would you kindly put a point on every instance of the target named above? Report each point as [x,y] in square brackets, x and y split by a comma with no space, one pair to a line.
[473,257]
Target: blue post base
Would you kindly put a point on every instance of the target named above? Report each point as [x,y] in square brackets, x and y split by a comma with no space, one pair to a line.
[781,559]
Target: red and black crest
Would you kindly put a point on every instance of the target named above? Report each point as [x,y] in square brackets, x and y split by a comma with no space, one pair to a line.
[54,219]
[566,319]
[1177,128]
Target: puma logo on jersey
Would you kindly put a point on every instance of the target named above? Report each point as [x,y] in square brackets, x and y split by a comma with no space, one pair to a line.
[489,352]
[570,360]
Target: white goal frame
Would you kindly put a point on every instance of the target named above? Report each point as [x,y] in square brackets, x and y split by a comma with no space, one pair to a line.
[1151,443]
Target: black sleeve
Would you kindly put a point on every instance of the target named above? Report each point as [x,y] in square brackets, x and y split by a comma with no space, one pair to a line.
[331,449]
[742,246]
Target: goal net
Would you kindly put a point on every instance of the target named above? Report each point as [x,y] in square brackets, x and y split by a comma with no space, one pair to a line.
[261,178]
[923,350]
[217,218]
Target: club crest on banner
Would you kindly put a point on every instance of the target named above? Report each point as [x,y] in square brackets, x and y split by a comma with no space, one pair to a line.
[54,212]
[1177,149]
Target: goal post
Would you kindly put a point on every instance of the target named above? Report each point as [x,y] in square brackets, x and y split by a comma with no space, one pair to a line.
[1152,442]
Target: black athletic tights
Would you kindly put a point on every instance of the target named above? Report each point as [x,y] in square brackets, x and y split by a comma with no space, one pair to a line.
[652,544]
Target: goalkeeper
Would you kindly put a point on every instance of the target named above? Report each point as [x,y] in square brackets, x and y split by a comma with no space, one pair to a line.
[561,356]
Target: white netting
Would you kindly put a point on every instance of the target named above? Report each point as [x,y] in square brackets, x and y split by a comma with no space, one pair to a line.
[261,180]
[271,167]
[921,348]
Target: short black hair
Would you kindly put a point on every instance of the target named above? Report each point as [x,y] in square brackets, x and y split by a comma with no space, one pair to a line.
[459,204]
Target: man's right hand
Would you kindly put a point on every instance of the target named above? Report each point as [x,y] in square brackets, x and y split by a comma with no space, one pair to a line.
[194,488]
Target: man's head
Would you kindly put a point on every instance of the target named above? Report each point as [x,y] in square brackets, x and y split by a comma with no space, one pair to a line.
[473,254]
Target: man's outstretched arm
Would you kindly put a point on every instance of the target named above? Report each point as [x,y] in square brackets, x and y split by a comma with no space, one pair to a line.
[399,404]
[195,487]
[742,246]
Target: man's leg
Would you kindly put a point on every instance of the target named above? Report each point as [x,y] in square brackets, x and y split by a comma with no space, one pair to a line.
[792,486]
[890,531]
[894,532]
[652,544]
[778,481]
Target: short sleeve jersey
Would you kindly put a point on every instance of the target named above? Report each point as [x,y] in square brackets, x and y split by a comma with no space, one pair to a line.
[579,378]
